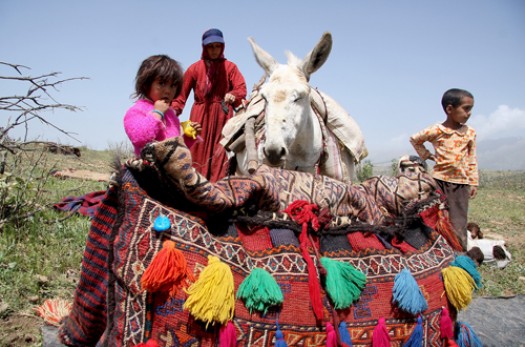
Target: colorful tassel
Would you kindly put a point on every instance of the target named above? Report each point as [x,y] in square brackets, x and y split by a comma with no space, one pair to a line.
[149,343]
[444,227]
[302,212]
[331,336]
[211,298]
[407,294]
[459,286]
[451,343]
[168,271]
[227,336]
[445,324]
[467,337]
[416,338]
[54,310]
[380,337]
[279,338]
[344,334]
[344,283]
[467,264]
[260,291]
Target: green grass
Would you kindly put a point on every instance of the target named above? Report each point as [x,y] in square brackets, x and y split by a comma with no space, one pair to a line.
[499,209]
[41,258]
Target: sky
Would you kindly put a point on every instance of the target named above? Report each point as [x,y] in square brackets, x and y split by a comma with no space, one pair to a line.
[390,63]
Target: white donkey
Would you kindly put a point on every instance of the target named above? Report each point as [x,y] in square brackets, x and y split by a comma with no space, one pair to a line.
[303,129]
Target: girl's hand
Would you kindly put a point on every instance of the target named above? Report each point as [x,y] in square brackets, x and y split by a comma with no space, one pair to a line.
[162,105]
[197,127]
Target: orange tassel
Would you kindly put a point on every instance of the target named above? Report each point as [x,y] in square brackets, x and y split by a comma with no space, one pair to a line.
[444,227]
[168,271]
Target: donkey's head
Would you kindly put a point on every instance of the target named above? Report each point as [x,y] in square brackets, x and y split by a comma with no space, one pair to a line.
[292,131]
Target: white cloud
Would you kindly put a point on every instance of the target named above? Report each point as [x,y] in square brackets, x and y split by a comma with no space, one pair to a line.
[504,122]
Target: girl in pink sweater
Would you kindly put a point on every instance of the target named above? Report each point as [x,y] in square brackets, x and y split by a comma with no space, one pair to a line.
[158,82]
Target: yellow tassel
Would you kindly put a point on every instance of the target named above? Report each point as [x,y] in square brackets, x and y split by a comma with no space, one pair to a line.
[211,298]
[459,286]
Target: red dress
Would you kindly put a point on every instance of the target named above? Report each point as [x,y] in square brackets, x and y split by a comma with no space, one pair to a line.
[209,157]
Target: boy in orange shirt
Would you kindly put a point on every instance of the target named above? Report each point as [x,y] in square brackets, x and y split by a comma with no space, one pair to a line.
[456,168]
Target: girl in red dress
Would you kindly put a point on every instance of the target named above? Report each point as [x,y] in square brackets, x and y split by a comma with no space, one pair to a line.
[217,86]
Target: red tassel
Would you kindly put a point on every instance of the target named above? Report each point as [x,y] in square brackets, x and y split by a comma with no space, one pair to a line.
[331,336]
[168,271]
[302,212]
[444,227]
[149,343]
[228,336]
[380,337]
[445,325]
[451,343]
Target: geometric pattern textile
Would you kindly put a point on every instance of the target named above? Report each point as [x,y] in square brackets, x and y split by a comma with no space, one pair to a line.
[110,308]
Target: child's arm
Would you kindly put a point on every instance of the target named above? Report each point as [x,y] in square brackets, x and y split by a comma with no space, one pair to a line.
[473,174]
[188,84]
[417,140]
[142,126]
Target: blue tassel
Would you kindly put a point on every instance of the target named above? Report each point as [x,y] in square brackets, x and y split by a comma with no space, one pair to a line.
[467,264]
[467,337]
[416,338]
[279,338]
[407,294]
[344,334]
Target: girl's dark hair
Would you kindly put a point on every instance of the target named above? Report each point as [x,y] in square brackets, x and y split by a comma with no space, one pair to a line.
[160,66]
[453,97]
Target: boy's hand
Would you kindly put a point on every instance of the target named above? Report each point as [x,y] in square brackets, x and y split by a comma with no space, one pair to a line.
[473,191]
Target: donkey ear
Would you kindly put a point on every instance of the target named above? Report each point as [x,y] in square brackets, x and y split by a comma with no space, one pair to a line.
[264,59]
[317,57]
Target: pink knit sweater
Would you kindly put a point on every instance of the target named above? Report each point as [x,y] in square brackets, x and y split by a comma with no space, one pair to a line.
[143,127]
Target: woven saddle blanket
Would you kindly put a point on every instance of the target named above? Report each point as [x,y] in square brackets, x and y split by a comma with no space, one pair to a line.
[110,307]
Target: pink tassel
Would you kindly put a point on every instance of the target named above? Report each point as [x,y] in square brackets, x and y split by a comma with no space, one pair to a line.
[331,336]
[445,324]
[228,336]
[380,337]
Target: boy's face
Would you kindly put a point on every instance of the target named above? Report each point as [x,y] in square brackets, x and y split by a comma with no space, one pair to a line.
[462,113]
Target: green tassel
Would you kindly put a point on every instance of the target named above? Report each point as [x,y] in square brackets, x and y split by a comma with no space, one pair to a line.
[344,283]
[260,291]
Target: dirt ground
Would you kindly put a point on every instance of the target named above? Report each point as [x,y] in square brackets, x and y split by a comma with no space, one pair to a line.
[19,330]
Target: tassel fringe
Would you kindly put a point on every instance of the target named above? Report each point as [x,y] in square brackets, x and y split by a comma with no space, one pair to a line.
[344,283]
[260,291]
[54,310]
[228,336]
[168,271]
[459,286]
[380,337]
[416,338]
[407,294]
[467,264]
[211,298]
[467,337]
